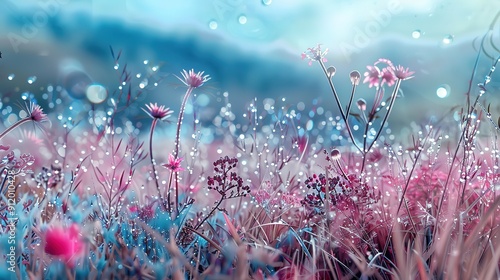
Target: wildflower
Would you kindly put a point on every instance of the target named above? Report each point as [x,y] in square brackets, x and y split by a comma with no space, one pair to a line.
[372,76]
[402,73]
[158,112]
[315,54]
[192,79]
[36,113]
[387,76]
[64,243]
[174,164]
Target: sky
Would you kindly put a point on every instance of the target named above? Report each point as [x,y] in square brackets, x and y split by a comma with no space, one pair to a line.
[250,48]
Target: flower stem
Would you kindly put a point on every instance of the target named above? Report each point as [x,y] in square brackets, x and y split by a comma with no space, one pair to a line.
[168,191]
[211,212]
[14,126]
[153,163]
[339,105]
[178,143]
[391,104]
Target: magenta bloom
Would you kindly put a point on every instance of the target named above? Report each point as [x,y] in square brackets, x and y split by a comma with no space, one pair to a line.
[174,164]
[387,76]
[192,79]
[36,113]
[315,54]
[372,76]
[158,112]
[64,243]
[402,73]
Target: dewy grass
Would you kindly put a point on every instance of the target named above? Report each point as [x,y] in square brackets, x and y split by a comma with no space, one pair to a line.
[274,195]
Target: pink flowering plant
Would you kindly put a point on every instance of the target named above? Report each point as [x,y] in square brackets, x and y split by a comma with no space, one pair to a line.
[271,195]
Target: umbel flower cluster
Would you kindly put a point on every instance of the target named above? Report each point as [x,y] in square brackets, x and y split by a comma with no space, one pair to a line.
[272,195]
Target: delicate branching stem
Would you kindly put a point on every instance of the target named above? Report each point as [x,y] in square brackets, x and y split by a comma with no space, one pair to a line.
[339,105]
[384,120]
[211,212]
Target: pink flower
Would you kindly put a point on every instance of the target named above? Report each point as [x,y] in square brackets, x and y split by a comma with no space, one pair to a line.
[64,243]
[372,76]
[387,76]
[315,54]
[158,112]
[192,79]
[36,113]
[376,77]
[402,73]
[174,164]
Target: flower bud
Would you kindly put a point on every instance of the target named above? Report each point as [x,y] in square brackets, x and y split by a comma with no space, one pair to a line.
[361,104]
[335,154]
[330,72]
[355,77]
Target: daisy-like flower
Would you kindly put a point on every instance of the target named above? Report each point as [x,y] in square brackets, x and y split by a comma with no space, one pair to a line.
[372,76]
[174,164]
[387,76]
[158,112]
[35,113]
[315,54]
[402,73]
[193,79]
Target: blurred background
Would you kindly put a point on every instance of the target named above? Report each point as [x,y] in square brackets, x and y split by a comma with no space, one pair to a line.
[250,48]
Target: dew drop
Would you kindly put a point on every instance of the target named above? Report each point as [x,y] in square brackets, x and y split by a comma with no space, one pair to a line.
[242,19]
[11,77]
[116,66]
[416,34]
[448,39]
[213,25]
[31,79]
[267,2]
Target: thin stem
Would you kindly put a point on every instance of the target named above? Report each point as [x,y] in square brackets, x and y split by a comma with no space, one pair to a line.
[339,105]
[391,104]
[14,126]
[178,143]
[350,100]
[153,163]
[211,212]
[179,122]
[168,191]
